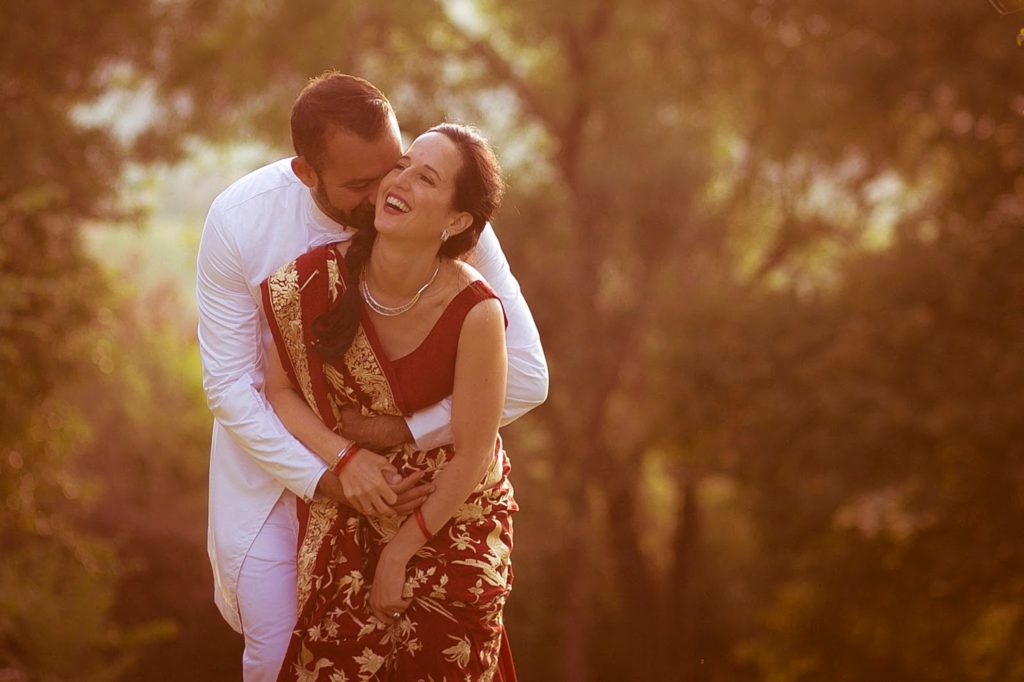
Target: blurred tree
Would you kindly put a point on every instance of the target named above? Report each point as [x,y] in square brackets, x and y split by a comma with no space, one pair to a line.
[146,406]
[873,418]
[750,457]
[57,583]
[681,157]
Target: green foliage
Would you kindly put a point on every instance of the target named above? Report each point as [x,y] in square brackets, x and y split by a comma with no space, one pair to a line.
[772,251]
[55,615]
[146,406]
[58,582]
[687,219]
[900,438]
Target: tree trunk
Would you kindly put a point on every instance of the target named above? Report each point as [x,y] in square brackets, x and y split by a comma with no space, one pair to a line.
[644,614]
[685,588]
[578,606]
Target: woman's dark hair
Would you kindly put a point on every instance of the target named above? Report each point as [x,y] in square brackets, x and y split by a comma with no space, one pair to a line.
[335,98]
[478,191]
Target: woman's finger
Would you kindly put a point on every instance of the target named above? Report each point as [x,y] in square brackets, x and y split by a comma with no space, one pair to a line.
[355,504]
[378,486]
[416,492]
[408,482]
[387,614]
[410,505]
[380,506]
[396,610]
[379,615]
[388,495]
[371,503]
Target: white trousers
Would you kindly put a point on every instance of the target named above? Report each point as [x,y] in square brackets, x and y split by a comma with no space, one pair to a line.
[267,593]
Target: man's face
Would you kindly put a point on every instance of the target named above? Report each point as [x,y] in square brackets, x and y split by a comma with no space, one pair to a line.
[346,185]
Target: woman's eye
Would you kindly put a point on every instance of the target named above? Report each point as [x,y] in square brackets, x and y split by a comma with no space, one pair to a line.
[426,179]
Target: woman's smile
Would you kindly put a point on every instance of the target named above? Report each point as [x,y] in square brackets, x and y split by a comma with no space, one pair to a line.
[395,204]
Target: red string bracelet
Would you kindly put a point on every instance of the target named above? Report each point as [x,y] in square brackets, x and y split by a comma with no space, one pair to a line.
[347,455]
[422,524]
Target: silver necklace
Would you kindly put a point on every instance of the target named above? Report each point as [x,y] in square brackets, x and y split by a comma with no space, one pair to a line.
[389,311]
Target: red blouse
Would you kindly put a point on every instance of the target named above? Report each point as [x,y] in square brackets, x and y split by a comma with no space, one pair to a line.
[426,375]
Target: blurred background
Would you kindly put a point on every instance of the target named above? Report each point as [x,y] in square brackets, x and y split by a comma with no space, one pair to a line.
[775,251]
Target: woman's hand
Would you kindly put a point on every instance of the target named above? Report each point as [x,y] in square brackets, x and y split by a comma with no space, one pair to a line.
[412,493]
[364,481]
[387,600]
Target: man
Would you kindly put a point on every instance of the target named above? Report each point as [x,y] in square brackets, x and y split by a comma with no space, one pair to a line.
[346,139]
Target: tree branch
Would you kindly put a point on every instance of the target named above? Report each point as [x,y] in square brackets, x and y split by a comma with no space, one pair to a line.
[504,72]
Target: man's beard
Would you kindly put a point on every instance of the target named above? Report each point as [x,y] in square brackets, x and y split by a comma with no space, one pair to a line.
[360,217]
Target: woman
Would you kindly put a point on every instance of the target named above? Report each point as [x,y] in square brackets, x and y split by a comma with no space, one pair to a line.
[391,325]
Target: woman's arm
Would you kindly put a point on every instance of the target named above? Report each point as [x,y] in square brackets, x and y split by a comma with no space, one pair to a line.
[478,396]
[527,385]
[362,480]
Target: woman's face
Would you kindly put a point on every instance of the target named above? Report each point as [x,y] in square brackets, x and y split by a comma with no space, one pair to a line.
[415,197]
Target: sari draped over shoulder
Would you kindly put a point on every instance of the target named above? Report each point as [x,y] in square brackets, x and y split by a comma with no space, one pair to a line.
[460,579]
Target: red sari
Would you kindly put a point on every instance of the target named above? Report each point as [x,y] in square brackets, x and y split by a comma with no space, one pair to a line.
[460,579]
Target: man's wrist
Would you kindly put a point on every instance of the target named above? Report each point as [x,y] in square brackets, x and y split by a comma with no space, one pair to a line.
[376,433]
[389,431]
[330,486]
[405,431]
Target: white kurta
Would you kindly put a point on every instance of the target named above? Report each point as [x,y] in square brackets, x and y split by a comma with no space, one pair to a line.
[258,224]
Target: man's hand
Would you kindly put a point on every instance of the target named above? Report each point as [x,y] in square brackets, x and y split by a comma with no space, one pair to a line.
[330,486]
[376,433]
[411,493]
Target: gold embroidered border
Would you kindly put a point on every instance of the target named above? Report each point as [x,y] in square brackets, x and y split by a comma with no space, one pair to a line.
[322,515]
[366,370]
[285,299]
[333,278]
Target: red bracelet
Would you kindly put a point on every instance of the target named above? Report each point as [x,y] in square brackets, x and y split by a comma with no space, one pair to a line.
[347,455]
[422,524]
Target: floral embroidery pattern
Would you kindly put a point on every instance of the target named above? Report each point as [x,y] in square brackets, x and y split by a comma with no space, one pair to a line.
[459,580]
[286,308]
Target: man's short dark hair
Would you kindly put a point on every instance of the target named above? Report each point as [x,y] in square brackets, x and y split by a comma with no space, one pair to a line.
[334,98]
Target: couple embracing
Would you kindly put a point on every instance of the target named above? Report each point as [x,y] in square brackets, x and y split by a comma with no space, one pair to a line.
[362,341]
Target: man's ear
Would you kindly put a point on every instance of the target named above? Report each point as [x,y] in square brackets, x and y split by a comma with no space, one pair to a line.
[305,172]
[460,223]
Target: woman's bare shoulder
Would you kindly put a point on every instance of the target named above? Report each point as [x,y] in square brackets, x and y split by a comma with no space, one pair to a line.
[466,273]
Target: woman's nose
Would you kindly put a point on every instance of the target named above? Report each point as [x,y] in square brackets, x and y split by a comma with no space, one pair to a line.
[403,178]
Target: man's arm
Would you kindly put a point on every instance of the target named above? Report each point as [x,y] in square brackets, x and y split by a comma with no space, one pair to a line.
[527,383]
[231,350]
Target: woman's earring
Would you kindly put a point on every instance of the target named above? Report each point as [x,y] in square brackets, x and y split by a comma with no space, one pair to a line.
[445,235]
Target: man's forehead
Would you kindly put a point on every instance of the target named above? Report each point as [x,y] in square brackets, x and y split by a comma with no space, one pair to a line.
[355,176]
[350,159]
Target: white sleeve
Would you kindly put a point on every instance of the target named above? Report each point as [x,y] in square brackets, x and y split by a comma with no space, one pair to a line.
[527,384]
[231,351]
